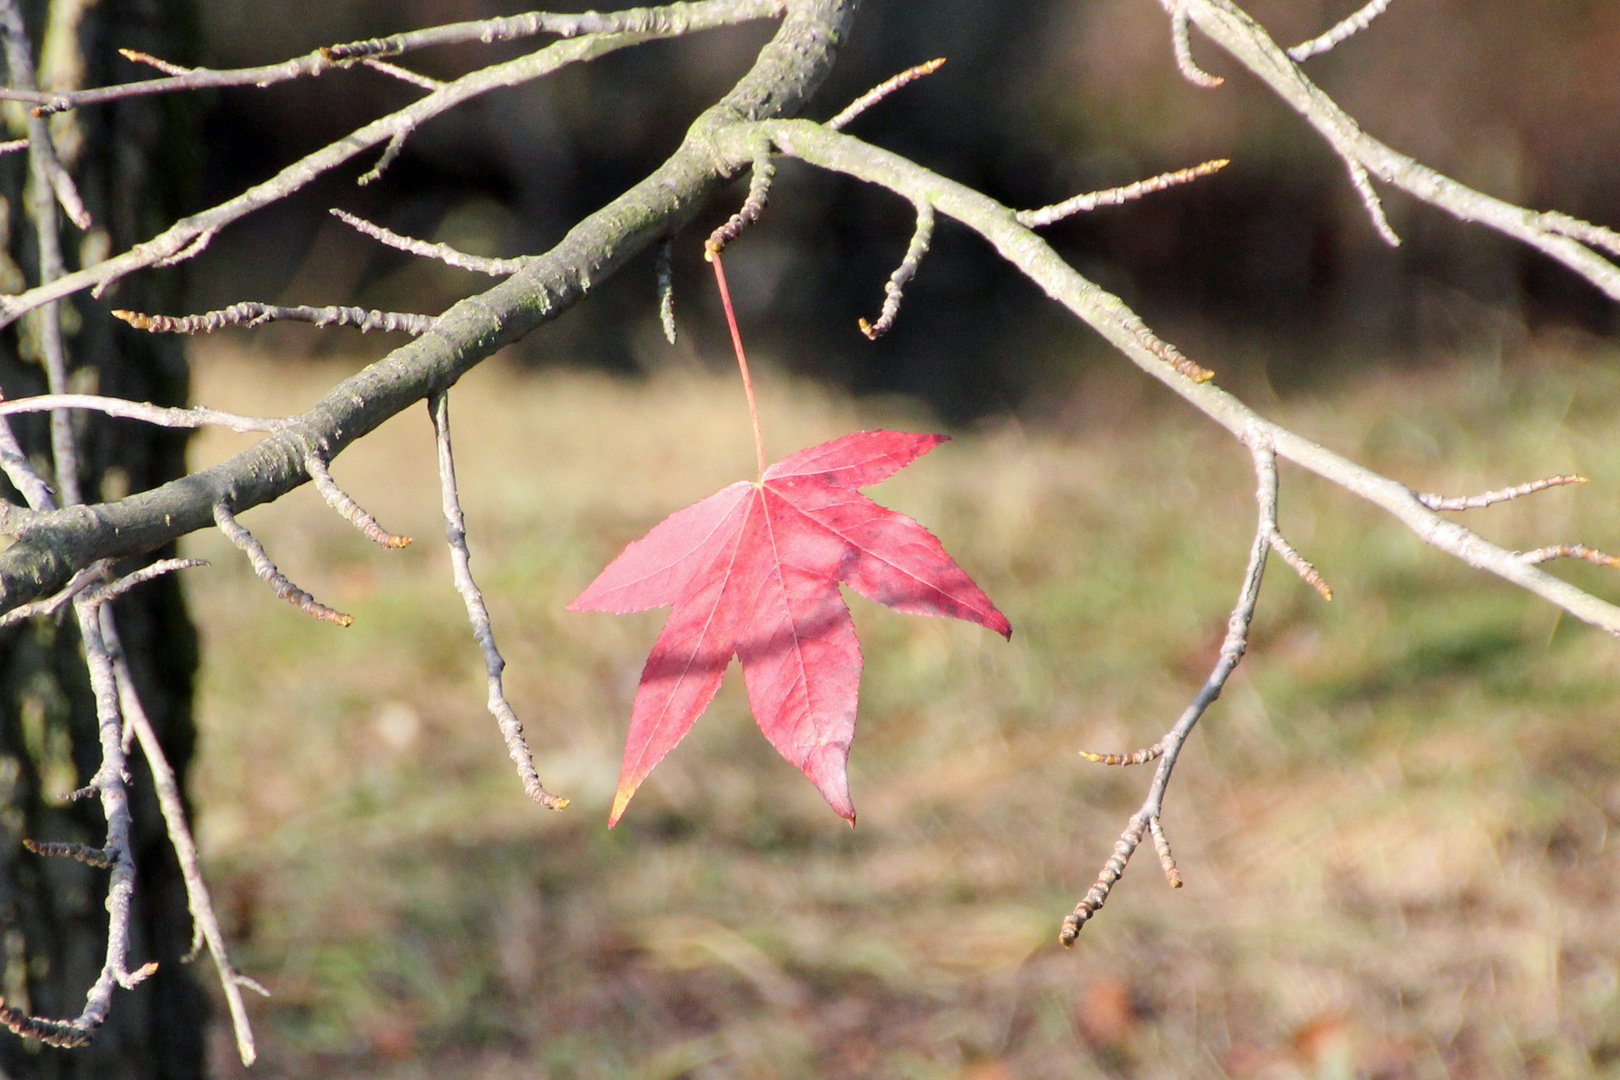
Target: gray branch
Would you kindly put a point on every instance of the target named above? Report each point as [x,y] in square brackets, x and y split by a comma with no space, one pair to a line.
[53,545]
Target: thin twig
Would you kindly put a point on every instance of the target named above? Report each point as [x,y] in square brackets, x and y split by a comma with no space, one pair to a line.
[426,82]
[1501,495]
[883,90]
[1181,43]
[109,783]
[100,858]
[50,605]
[267,572]
[49,184]
[1046,215]
[1570,551]
[455,533]
[669,21]
[442,252]
[138,57]
[1300,564]
[46,167]
[1232,650]
[1247,41]
[1167,859]
[352,512]
[204,921]
[176,240]
[895,289]
[666,288]
[391,152]
[1347,28]
[1135,757]
[1369,199]
[1124,329]
[163,416]
[1587,233]
[114,589]
[759,192]
[251,314]
[633,20]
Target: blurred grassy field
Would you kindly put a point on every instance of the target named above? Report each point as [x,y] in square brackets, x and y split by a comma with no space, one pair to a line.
[1393,826]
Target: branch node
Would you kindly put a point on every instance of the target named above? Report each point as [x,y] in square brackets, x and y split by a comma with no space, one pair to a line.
[1369,198]
[759,190]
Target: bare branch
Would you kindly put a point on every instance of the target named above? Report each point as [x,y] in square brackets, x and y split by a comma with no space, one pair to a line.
[339,500]
[52,604]
[1046,215]
[666,288]
[163,416]
[1167,860]
[634,20]
[1370,200]
[138,57]
[1501,495]
[175,242]
[102,594]
[478,614]
[455,533]
[90,856]
[1570,551]
[1247,41]
[1347,28]
[1135,757]
[404,74]
[442,252]
[1232,650]
[1125,330]
[883,90]
[1595,235]
[268,573]
[670,21]
[109,782]
[250,314]
[759,191]
[895,289]
[1179,40]
[1301,566]
[47,169]
[167,787]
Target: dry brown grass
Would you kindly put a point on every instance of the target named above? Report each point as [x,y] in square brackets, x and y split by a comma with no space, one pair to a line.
[1393,826]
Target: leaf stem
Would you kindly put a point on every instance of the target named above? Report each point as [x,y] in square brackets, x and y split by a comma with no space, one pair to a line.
[742,359]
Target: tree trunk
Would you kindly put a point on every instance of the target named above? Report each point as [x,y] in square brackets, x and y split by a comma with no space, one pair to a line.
[133,162]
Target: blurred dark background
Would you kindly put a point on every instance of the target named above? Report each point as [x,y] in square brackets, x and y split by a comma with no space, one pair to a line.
[1268,272]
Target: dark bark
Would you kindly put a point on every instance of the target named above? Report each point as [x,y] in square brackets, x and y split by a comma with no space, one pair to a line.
[133,163]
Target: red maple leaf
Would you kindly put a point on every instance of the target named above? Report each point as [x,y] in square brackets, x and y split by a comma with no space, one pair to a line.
[753,570]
